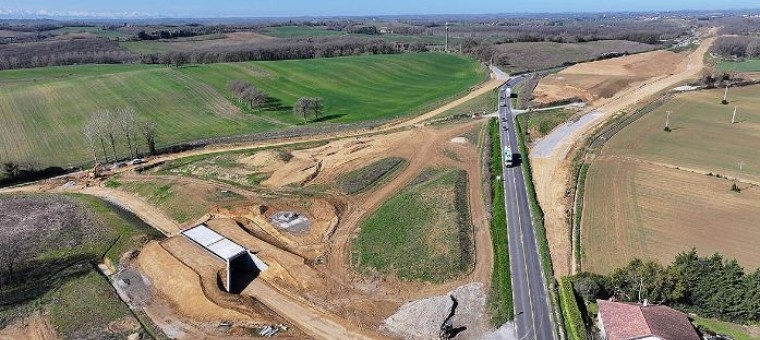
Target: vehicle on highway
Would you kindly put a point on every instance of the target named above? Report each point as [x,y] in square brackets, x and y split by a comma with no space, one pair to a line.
[508,157]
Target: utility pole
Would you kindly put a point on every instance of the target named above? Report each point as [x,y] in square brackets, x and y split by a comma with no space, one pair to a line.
[733,118]
[447,37]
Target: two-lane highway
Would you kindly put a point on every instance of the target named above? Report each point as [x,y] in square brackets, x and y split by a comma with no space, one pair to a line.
[533,313]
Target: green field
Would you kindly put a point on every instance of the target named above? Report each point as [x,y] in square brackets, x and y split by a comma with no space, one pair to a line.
[703,137]
[299,32]
[43,110]
[422,233]
[739,66]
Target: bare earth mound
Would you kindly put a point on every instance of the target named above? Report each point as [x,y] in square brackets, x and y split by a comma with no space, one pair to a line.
[604,79]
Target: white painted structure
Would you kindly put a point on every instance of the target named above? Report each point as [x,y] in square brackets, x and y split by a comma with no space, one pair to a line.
[221,247]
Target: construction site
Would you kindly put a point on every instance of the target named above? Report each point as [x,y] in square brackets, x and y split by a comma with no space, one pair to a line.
[277,260]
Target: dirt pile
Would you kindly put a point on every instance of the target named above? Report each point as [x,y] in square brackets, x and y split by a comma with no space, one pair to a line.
[422,319]
[33,327]
[597,80]
[267,160]
[308,164]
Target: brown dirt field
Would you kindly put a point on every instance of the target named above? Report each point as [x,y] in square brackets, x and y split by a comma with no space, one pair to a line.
[629,212]
[266,160]
[181,286]
[33,327]
[604,79]
[551,175]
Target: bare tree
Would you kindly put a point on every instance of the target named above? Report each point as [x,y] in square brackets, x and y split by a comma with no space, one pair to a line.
[11,169]
[148,131]
[255,97]
[90,132]
[126,121]
[108,129]
[237,87]
[10,254]
[97,127]
[316,106]
[301,107]
[306,105]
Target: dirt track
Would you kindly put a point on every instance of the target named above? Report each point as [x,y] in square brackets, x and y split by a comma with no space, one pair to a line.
[551,165]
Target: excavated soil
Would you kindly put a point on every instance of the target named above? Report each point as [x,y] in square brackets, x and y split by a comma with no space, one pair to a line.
[597,80]
[36,326]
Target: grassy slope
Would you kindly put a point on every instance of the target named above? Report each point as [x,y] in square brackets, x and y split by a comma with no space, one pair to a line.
[540,123]
[77,290]
[360,180]
[182,203]
[741,66]
[415,234]
[43,109]
[735,331]
[703,136]
[485,102]
[353,88]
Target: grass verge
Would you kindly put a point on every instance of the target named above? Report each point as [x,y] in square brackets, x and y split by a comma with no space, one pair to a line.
[500,297]
[736,332]
[422,233]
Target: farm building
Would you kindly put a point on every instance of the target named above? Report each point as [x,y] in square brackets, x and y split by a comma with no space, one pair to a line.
[241,263]
[628,321]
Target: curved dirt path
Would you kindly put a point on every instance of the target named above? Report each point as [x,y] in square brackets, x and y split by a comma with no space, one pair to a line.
[551,166]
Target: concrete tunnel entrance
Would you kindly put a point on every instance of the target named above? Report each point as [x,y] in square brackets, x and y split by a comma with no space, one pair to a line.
[242,265]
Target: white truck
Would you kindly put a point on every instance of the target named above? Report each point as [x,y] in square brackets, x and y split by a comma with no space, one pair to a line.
[508,157]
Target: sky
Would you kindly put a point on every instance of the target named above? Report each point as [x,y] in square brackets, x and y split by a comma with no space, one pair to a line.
[296,8]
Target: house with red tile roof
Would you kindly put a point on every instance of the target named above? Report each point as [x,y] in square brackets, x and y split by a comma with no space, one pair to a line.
[632,321]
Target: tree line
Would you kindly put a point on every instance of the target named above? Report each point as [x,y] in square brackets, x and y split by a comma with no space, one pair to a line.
[740,47]
[67,52]
[104,51]
[105,130]
[711,286]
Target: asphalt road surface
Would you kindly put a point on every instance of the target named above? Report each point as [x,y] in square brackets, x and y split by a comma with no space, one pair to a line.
[533,314]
